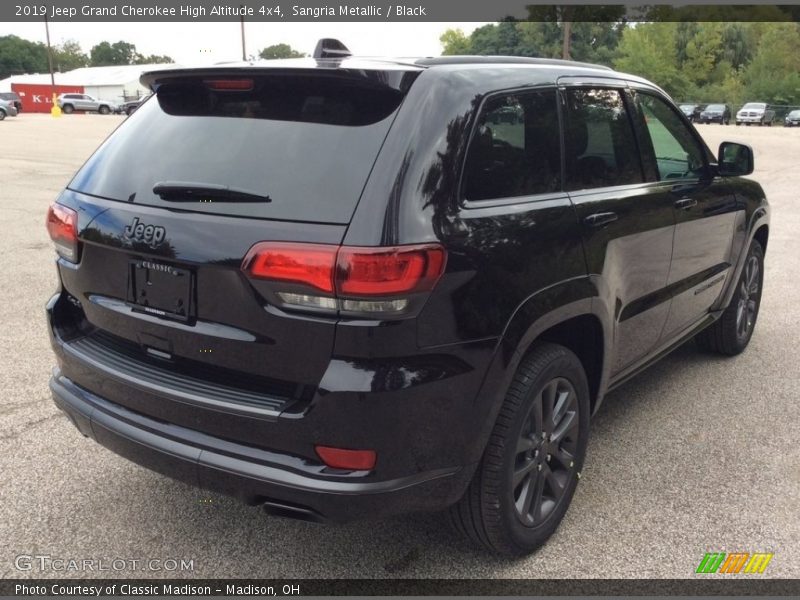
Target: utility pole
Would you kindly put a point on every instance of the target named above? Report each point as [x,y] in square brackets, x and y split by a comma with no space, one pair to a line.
[55,110]
[244,47]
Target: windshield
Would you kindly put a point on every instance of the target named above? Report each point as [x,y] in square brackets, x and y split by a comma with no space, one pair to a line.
[755,105]
[715,107]
[305,143]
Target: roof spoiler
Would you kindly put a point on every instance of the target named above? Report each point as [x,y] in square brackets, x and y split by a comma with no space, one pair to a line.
[331,48]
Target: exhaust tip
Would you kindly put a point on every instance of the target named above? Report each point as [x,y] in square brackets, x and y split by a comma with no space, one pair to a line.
[292,511]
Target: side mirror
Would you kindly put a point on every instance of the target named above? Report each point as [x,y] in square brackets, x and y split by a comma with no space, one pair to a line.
[734,160]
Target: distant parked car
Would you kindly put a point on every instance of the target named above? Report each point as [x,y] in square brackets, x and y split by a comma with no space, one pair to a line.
[130,107]
[7,109]
[755,112]
[14,98]
[716,113]
[792,119]
[70,103]
[692,111]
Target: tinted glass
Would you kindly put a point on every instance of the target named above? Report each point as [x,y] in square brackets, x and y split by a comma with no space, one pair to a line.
[678,154]
[600,147]
[307,142]
[516,148]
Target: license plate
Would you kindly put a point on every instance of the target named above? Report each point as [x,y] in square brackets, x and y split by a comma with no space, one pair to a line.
[160,290]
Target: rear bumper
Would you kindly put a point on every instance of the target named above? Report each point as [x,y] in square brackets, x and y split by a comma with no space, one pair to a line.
[254,475]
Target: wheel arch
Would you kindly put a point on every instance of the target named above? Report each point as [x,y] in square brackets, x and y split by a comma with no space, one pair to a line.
[575,324]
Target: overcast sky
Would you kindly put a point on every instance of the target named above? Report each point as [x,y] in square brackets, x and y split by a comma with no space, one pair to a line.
[190,43]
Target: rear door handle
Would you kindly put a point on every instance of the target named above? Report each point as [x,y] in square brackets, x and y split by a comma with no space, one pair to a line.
[600,219]
[685,203]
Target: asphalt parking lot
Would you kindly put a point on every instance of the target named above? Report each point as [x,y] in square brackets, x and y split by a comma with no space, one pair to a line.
[699,454]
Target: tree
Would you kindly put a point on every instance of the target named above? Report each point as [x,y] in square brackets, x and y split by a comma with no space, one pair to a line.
[773,74]
[122,53]
[154,59]
[118,53]
[280,51]
[68,56]
[550,33]
[19,56]
[454,42]
[649,50]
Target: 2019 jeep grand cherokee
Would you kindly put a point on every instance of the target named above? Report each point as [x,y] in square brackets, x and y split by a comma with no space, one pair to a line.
[341,288]
[70,103]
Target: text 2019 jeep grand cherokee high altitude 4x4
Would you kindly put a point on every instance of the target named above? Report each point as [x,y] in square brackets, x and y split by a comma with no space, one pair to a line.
[342,288]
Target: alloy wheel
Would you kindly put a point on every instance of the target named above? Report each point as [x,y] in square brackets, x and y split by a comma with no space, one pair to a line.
[545,453]
[748,298]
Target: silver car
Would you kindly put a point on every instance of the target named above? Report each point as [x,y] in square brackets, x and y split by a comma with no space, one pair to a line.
[7,109]
[84,103]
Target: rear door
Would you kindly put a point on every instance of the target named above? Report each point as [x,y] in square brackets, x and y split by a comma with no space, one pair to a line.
[704,206]
[627,227]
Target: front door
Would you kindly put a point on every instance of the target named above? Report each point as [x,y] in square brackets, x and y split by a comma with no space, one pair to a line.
[705,211]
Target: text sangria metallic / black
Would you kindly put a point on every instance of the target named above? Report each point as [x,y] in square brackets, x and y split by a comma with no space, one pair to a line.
[345,288]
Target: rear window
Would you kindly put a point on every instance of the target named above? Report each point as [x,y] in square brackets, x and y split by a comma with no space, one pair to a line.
[295,147]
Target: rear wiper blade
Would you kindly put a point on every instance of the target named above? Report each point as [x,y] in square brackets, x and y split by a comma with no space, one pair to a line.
[187,191]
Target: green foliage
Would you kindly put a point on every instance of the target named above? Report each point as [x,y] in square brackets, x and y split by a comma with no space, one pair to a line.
[772,76]
[68,56]
[690,51]
[650,50]
[454,42]
[154,59]
[280,51]
[19,56]
[107,54]
[122,53]
[593,41]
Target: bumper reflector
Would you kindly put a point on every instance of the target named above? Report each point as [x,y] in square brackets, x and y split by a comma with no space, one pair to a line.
[353,460]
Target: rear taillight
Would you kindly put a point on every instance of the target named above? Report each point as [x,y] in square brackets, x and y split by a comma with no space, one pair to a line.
[348,279]
[62,225]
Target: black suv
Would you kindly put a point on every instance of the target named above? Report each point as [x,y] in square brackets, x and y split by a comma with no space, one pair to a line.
[340,288]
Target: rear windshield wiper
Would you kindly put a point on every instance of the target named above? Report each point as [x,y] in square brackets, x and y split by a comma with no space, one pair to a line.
[186,191]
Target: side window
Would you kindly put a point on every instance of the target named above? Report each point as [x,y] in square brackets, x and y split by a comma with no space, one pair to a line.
[677,153]
[516,149]
[600,146]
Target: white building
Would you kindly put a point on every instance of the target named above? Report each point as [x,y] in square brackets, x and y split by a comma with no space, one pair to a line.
[114,83]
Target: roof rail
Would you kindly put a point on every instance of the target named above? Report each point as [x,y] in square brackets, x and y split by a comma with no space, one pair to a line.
[491,59]
[331,48]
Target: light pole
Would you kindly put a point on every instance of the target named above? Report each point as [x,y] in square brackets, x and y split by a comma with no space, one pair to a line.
[55,110]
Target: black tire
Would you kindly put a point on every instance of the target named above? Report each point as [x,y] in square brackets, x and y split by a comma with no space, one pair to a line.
[731,333]
[129,111]
[2,114]
[67,109]
[104,110]
[531,466]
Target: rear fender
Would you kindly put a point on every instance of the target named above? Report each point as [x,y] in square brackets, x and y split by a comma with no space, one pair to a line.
[573,298]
